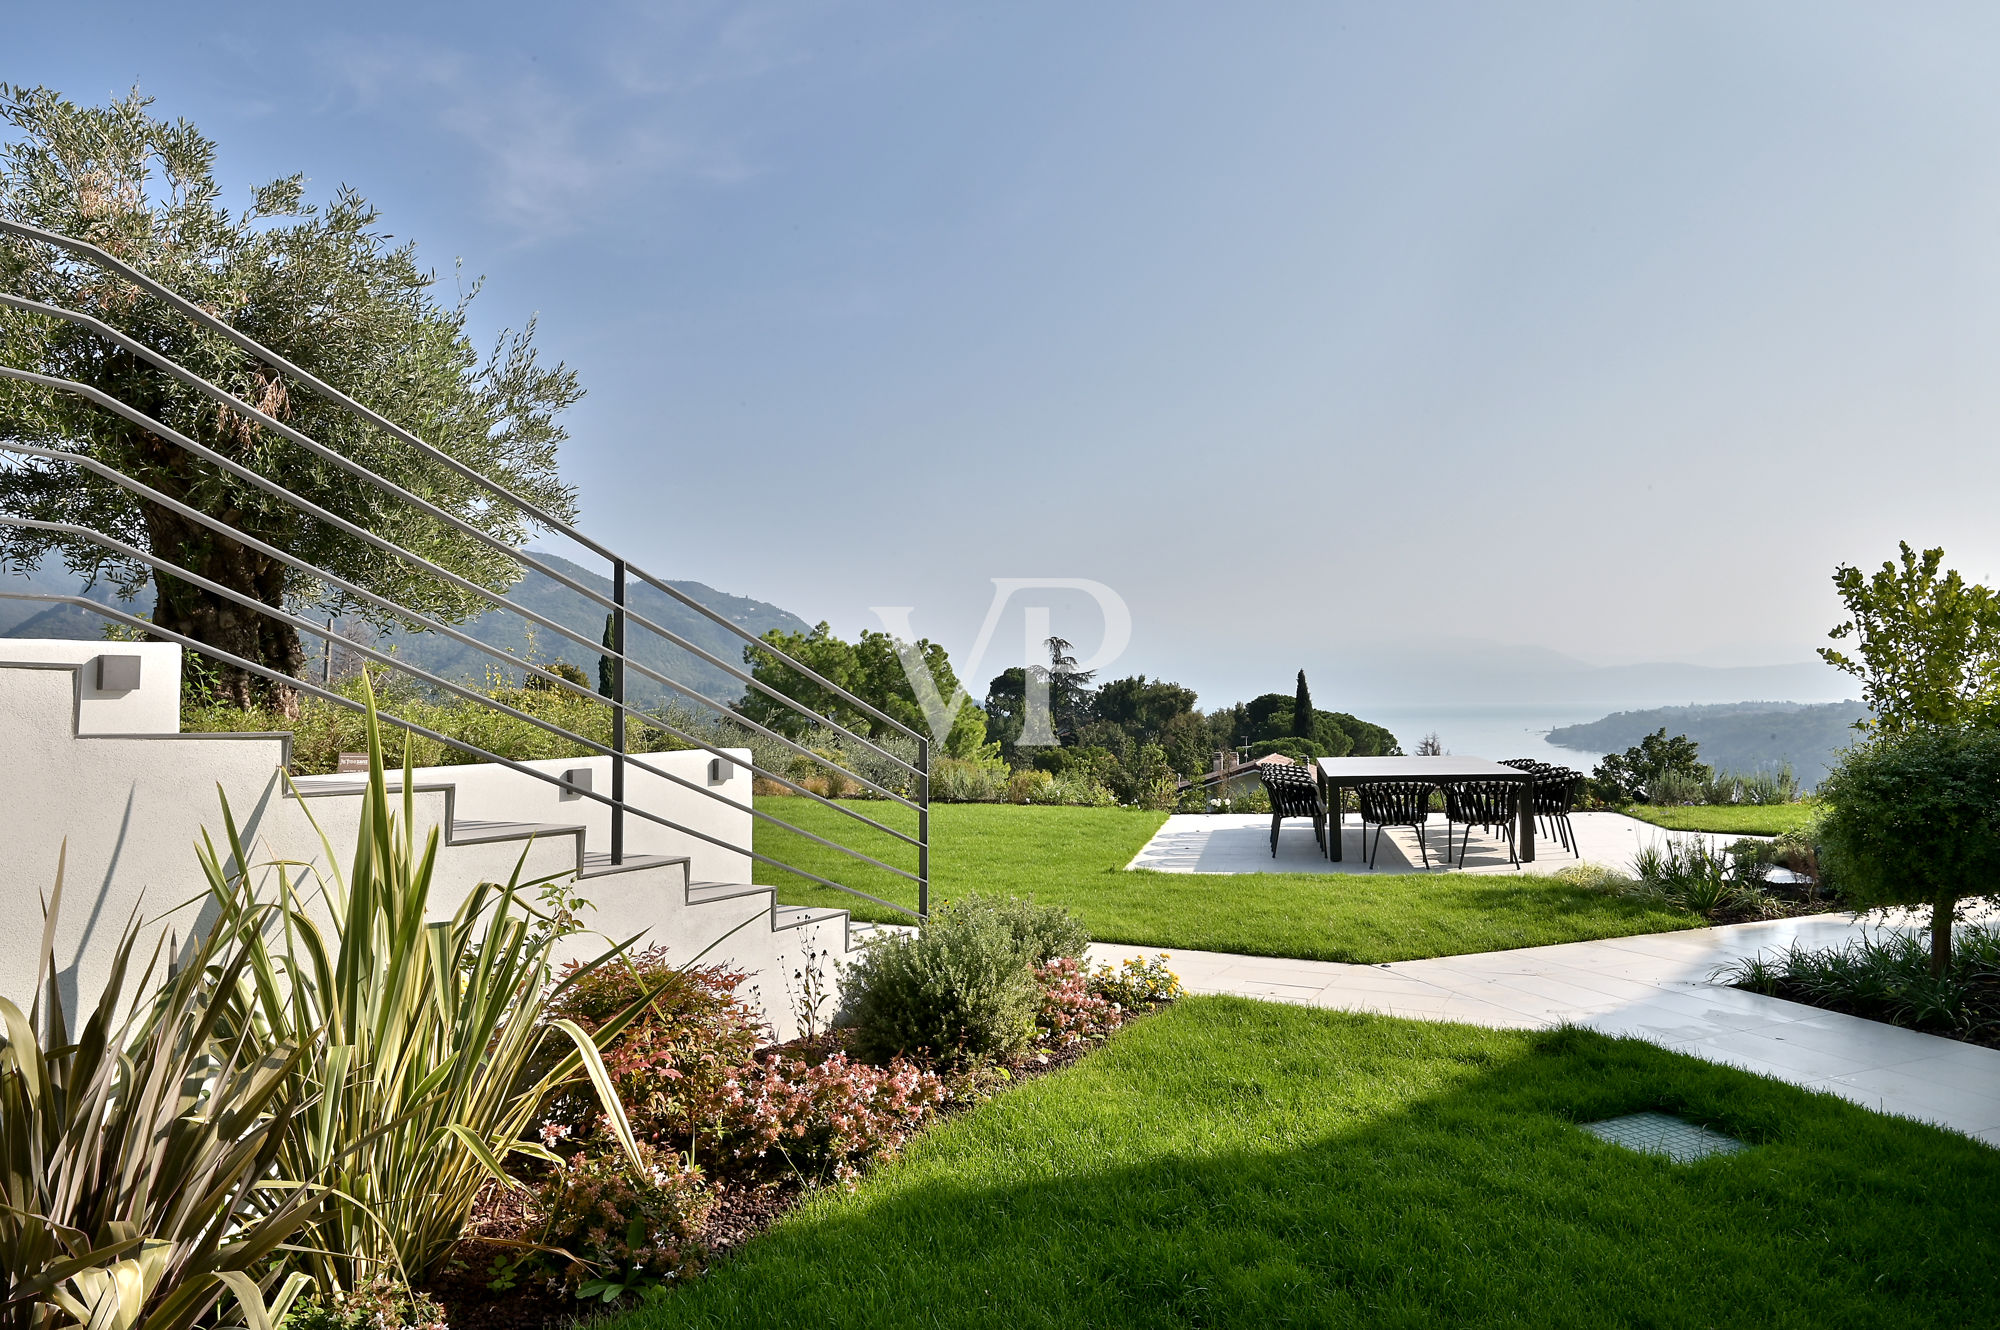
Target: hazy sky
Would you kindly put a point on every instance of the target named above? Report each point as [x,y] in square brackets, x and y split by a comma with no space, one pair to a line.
[1313,330]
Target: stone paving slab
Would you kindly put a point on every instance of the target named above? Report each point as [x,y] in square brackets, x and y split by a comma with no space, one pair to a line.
[1658,987]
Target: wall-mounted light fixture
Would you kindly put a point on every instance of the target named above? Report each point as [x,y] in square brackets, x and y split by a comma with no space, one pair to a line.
[117,674]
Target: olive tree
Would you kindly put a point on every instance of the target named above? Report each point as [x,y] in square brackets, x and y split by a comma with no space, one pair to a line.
[1913,818]
[323,286]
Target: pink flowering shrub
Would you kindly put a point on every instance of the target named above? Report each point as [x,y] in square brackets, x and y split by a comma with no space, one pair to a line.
[621,1227]
[779,1114]
[1071,1012]
[383,1303]
[673,1058]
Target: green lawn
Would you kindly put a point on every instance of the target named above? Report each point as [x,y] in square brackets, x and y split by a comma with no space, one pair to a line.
[1076,857]
[1728,819]
[1236,1163]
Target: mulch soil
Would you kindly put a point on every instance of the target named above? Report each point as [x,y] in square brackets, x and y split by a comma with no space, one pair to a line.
[464,1284]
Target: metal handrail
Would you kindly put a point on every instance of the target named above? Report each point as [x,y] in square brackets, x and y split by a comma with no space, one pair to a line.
[621,613]
[303,504]
[306,686]
[384,658]
[326,390]
[222,396]
[555,681]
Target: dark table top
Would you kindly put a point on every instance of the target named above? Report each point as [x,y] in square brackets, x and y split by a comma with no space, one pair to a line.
[1418,768]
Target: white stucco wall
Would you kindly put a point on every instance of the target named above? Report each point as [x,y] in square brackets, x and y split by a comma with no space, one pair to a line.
[110,777]
[154,707]
[494,793]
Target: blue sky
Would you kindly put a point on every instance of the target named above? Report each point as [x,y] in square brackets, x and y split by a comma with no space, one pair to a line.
[1321,333]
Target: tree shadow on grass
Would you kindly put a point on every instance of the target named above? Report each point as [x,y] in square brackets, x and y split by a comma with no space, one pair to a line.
[1233,1172]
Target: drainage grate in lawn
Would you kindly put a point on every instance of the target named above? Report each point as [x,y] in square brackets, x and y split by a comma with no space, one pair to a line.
[1656,1133]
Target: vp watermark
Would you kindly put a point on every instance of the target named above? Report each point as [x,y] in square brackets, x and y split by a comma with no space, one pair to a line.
[1038,727]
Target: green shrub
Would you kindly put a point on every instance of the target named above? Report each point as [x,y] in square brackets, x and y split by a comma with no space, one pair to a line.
[1041,933]
[1088,761]
[1752,860]
[1914,819]
[1079,792]
[956,780]
[959,989]
[1144,779]
[323,730]
[1755,787]
[1690,873]
[1672,788]
[1040,787]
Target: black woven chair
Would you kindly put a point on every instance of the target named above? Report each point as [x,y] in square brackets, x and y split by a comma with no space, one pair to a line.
[1395,803]
[1488,804]
[1555,797]
[1294,793]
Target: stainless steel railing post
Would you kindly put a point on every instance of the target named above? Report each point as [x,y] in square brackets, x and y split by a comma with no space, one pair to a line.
[923,828]
[618,712]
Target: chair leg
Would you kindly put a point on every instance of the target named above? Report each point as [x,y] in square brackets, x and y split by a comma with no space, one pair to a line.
[1424,845]
[1377,847]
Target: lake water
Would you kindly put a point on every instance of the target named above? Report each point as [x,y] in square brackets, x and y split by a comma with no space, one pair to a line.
[1497,732]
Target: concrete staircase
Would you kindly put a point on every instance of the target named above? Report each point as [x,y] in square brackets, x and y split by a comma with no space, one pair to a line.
[106,771]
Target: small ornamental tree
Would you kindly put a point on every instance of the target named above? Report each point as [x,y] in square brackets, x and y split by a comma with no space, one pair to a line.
[1928,644]
[1914,819]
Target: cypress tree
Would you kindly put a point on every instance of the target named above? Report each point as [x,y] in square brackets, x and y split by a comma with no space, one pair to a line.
[606,678]
[1302,710]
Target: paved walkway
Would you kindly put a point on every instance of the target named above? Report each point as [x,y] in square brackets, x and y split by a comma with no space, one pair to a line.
[1656,987]
[1241,843]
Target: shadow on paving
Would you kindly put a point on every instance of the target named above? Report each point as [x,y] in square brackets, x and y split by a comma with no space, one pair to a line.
[1237,1163]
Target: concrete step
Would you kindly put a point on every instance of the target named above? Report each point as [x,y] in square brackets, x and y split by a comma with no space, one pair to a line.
[798,916]
[596,863]
[468,831]
[702,893]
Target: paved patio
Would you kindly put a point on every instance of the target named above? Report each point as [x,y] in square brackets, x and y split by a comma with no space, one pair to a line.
[1241,843]
[1656,987]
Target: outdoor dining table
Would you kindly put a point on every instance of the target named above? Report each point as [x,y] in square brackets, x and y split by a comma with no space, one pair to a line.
[1337,773]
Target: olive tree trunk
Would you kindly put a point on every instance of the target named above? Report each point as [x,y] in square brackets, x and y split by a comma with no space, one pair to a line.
[223,623]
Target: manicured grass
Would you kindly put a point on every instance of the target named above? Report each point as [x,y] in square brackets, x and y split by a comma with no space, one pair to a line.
[1728,819]
[1076,857]
[1250,1164]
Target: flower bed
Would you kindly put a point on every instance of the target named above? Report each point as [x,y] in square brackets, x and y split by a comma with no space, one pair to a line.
[734,1135]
